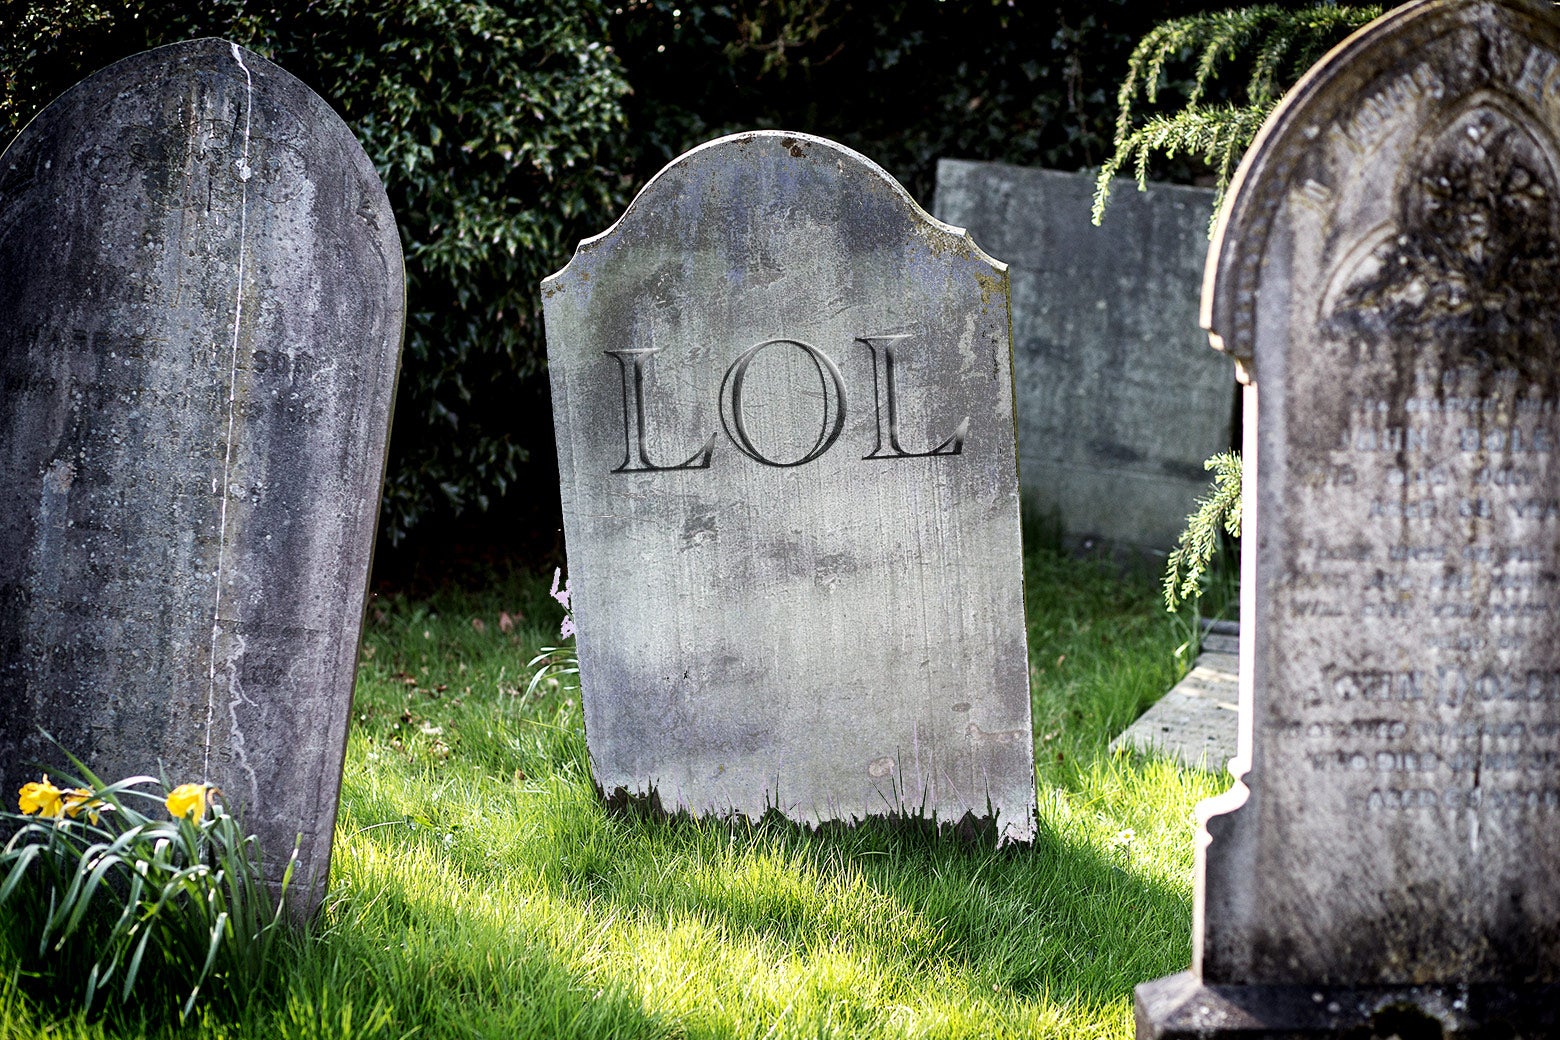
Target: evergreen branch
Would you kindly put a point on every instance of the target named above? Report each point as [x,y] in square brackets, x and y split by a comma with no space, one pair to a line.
[1282,45]
[1263,87]
[1225,33]
[1145,68]
[1219,510]
[1217,135]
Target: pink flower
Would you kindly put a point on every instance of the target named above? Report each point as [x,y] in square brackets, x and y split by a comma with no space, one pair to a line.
[567,628]
[561,597]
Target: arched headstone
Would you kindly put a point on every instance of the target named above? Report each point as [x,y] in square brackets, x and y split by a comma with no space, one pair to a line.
[784,405]
[1387,275]
[201,301]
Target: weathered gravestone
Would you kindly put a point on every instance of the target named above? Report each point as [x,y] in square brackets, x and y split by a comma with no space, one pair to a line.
[200,323]
[783,399]
[1119,398]
[1387,276]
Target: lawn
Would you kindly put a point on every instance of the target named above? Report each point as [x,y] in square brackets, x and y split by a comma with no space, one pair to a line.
[480,888]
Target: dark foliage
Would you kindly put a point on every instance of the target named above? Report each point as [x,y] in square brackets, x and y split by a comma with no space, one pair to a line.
[504,135]
[905,82]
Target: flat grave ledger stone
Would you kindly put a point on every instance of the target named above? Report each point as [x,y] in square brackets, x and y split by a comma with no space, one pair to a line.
[1119,398]
[1196,722]
[783,399]
[201,300]
[1385,276]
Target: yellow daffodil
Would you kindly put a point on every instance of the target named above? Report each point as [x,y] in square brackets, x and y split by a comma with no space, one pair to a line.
[42,798]
[187,799]
[78,800]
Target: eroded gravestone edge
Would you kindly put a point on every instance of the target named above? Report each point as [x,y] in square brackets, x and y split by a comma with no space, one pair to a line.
[1361,854]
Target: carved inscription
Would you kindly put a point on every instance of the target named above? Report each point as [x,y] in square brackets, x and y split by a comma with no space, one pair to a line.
[635,372]
[1454,706]
[1435,685]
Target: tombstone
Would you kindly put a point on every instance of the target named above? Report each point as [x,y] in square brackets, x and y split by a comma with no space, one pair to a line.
[1385,276]
[1119,398]
[200,323]
[783,400]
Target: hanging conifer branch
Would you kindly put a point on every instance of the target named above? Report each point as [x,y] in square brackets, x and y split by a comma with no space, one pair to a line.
[1279,45]
[1218,510]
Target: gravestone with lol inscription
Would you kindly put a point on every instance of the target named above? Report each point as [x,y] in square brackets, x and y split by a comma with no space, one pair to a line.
[784,405]
[1387,277]
[200,326]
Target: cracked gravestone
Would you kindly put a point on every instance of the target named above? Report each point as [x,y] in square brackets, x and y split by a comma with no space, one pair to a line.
[1385,276]
[200,324]
[783,398]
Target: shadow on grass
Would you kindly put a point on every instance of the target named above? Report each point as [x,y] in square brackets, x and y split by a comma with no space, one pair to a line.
[626,923]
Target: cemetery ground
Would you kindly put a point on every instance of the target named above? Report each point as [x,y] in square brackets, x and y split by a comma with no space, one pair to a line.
[481,888]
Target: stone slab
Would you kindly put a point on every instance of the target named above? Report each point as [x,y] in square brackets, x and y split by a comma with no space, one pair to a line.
[1180,1007]
[1119,399]
[783,399]
[1196,722]
[1384,274]
[200,328]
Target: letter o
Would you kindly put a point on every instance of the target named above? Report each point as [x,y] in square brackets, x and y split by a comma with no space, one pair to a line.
[731,402]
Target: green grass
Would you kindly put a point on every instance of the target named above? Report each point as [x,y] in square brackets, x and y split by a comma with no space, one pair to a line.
[480,889]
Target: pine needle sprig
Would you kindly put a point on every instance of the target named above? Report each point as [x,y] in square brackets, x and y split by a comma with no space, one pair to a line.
[1218,135]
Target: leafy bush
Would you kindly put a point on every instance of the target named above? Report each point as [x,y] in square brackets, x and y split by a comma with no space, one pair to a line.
[492,125]
[98,895]
[505,132]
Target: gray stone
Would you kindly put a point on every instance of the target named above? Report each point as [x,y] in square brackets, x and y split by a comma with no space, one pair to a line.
[1385,276]
[785,437]
[200,321]
[1119,399]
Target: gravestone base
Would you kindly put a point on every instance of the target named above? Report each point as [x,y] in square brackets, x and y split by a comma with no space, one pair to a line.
[1181,1007]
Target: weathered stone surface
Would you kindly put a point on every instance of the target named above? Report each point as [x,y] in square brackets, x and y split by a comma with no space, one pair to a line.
[1386,275]
[1119,398]
[783,399]
[200,320]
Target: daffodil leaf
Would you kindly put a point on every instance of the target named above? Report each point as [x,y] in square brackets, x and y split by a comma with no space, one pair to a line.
[134,967]
[24,858]
[104,865]
[217,929]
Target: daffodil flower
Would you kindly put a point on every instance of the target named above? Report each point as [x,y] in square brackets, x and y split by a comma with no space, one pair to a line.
[78,800]
[42,798]
[188,799]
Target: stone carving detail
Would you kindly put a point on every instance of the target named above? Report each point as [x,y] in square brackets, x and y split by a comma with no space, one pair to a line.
[1386,272]
[1473,262]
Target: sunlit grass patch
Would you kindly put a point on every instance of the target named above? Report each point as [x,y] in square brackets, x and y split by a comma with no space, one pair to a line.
[480,887]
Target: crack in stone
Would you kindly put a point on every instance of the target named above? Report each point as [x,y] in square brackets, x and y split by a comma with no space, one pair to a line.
[227,463]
